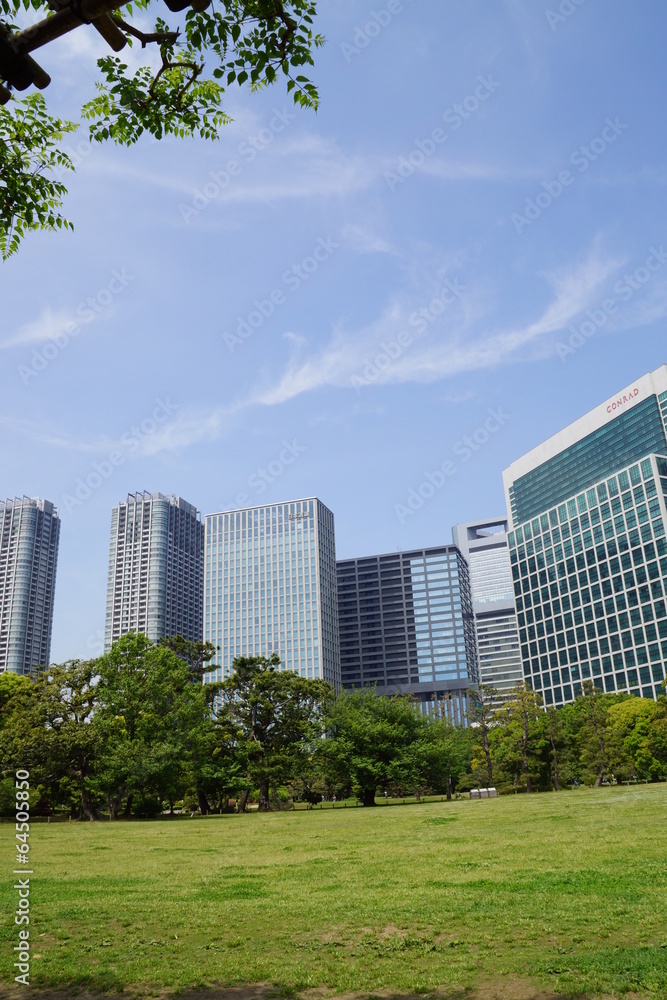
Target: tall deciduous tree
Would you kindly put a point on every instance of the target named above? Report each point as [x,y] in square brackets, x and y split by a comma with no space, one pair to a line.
[53,733]
[593,735]
[277,718]
[376,736]
[482,718]
[153,719]
[200,55]
[522,738]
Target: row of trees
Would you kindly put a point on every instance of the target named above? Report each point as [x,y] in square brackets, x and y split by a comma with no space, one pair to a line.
[135,731]
[597,738]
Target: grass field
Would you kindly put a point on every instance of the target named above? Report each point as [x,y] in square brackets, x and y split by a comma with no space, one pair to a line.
[562,893]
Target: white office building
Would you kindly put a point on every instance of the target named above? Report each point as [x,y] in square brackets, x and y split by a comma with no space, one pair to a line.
[483,545]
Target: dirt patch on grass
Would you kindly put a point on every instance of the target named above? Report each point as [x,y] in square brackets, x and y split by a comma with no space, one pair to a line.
[507,989]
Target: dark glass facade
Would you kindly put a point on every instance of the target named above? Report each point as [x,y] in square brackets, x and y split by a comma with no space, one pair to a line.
[406,625]
[624,440]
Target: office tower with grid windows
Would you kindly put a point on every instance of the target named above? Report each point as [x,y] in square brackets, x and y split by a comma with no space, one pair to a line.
[588,548]
[156,569]
[29,535]
[406,625]
[483,544]
[270,587]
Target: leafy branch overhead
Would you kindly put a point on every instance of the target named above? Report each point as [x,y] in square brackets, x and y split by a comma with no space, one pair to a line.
[178,90]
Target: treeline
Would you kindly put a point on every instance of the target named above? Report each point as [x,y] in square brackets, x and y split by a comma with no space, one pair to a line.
[136,733]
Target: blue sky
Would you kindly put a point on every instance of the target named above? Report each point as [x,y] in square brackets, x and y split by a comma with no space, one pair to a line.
[329,304]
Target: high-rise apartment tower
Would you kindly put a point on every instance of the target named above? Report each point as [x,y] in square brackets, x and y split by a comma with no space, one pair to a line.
[156,569]
[29,534]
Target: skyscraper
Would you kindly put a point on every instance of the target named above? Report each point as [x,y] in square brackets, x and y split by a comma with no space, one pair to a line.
[406,625]
[29,534]
[270,587]
[156,568]
[484,547]
[588,548]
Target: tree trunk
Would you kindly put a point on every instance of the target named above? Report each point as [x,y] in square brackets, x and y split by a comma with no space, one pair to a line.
[487,754]
[87,808]
[115,802]
[524,753]
[603,750]
[204,807]
[369,796]
[449,788]
[127,812]
[553,751]
[243,800]
[264,805]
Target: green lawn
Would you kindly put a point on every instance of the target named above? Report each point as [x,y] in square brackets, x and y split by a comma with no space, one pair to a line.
[564,892]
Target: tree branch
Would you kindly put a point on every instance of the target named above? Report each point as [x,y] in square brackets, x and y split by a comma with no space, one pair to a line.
[154,36]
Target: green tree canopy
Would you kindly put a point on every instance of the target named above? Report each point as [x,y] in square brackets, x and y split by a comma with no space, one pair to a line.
[375,738]
[276,718]
[202,52]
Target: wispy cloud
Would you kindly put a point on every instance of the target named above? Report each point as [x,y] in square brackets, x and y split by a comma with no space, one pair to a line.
[455,344]
[362,239]
[50,324]
[452,346]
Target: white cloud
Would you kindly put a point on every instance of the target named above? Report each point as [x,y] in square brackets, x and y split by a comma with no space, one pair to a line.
[449,347]
[363,240]
[50,324]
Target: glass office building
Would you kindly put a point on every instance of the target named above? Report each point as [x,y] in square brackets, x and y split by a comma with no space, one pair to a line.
[484,547]
[156,569]
[270,587]
[588,549]
[29,536]
[406,626]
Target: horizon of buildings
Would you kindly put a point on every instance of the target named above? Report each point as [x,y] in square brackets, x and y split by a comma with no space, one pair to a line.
[569,586]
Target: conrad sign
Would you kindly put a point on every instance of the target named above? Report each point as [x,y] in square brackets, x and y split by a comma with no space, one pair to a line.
[627,397]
